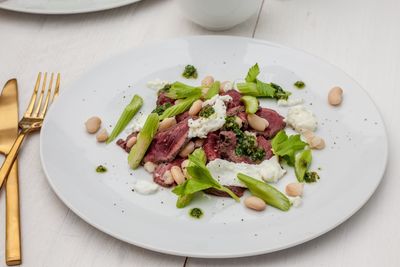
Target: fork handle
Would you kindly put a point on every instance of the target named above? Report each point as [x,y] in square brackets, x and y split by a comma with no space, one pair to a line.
[10,158]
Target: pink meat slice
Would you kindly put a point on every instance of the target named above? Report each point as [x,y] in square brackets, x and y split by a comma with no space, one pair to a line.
[276,122]
[167,144]
[210,146]
[237,190]
[236,96]
[266,145]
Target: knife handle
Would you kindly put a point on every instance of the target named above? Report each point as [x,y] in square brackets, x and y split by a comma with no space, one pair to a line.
[13,233]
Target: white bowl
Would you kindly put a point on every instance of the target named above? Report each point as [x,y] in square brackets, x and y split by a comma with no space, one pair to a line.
[219,15]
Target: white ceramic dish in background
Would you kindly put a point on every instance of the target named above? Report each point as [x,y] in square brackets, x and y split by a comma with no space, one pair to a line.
[352,164]
[55,7]
[218,15]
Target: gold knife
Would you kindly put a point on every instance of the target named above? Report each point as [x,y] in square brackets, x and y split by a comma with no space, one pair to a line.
[8,134]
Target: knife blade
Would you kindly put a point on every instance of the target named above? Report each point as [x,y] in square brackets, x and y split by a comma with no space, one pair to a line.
[8,134]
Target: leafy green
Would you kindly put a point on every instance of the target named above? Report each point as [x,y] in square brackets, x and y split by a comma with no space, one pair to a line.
[302,163]
[189,72]
[251,104]
[286,147]
[257,88]
[179,108]
[253,73]
[184,200]
[200,180]
[143,142]
[214,90]
[311,177]
[180,90]
[266,192]
[129,112]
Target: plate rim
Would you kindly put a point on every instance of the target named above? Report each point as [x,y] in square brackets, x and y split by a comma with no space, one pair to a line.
[227,255]
[38,11]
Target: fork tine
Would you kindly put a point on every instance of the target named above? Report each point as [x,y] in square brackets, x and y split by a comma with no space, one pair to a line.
[39,102]
[57,90]
[46,101]
[33,97]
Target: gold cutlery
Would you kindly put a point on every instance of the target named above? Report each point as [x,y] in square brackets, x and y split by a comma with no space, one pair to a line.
[32,119]
[8,133]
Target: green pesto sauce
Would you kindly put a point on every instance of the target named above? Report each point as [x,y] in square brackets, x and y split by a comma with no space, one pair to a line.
[161,108]
[246,144]
[196,213]
[101,169]
[299,84]
[311,177]
[189,72]
[207,111]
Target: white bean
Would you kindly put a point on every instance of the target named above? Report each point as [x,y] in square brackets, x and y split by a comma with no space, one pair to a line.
[187,150]
[167,177]
[196,107]
[102,136]
[317,142]
[149,166]
[166,123]
[335,96]
[131,141]
[255,203]
[177,174]
[93,124]
[294,189]
[207,81]
[199,142]
[257,123]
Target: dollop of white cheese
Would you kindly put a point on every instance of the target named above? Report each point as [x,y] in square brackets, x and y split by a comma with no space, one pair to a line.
[145,187]
[202,126]
[290,102]
[156,84]
[136,125]
[301,119]
[225,172]
[296,201]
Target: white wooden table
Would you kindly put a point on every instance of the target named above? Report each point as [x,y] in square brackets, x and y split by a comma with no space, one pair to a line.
[360,36]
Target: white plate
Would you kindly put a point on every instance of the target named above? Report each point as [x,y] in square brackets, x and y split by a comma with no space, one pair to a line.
[352,164]
[62,6]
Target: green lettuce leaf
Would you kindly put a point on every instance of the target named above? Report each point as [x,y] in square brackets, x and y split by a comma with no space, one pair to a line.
[287,146]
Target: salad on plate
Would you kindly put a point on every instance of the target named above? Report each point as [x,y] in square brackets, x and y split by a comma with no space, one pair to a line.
[215,138]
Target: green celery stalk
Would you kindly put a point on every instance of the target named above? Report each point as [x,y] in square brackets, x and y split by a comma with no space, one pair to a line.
[266,192]
[129,112]
[179,108]
[184,200]
[180,90]
[302,163]
[214,90]
[251,104]
[144,139]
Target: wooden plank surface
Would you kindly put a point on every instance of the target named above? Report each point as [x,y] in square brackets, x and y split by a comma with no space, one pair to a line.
[361,37]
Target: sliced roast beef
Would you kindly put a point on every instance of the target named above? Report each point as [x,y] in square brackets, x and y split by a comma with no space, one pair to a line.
[227,145]
[122,143]
[182,116]
[167,144]
[237,190]
[236,96]
[210,146]
[266,145]
[163,98]
[158,175]
[276,122]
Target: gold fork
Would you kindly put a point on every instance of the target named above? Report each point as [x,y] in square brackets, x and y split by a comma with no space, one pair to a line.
[32,119]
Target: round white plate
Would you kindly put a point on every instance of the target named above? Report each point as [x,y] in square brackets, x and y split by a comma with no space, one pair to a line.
[62,6]
[351,166]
